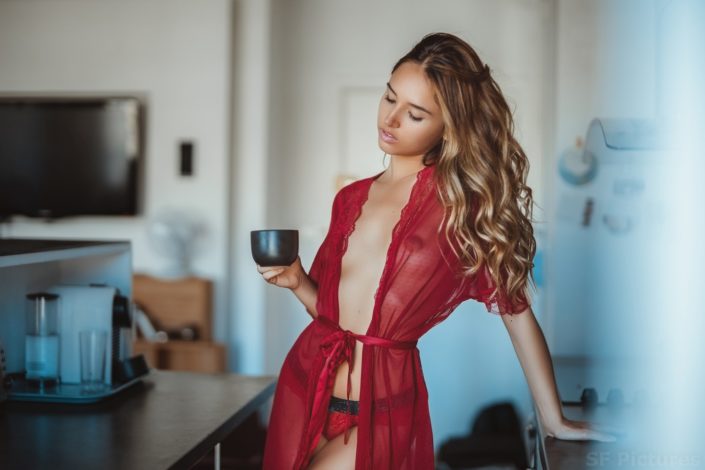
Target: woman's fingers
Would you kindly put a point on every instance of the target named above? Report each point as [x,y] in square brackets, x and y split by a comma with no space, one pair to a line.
[581,430]
[264,269]
[593,435]
[589,433]
[600,436]
[272,273]
[607,429]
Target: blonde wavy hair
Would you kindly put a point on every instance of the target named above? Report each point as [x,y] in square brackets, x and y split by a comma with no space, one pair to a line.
[481,169]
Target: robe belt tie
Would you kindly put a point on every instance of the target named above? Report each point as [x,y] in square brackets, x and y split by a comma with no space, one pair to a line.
[336,348]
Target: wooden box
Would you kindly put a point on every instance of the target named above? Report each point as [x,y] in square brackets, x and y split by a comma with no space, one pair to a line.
[176,303]
[192,356]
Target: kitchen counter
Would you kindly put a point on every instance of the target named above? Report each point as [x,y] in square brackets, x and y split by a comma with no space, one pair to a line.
[558,454]
[622,413]
[169,420]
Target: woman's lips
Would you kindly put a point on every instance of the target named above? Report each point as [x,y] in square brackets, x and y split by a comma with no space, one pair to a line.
[387,137]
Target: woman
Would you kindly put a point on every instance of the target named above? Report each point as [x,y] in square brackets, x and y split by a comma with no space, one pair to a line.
[448,220]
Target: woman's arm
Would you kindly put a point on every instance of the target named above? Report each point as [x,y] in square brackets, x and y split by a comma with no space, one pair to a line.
[293,277]
[532,351]
[307,293]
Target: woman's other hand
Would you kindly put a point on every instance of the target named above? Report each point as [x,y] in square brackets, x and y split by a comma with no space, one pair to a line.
[581,431]
[284,276]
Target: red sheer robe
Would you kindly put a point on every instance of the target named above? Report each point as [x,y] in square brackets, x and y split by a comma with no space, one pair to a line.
[421,284]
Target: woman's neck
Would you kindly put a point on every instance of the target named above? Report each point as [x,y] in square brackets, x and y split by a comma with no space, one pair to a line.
[402,167]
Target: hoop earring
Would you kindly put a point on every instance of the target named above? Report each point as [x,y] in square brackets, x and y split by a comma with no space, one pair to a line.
[385,156]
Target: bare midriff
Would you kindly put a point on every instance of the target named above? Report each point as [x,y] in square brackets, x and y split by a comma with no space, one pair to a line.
[361,269]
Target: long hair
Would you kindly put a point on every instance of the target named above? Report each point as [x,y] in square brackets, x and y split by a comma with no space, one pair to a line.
[481,169]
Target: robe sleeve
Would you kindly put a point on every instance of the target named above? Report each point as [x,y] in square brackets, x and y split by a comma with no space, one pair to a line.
[480,288]
[323,254]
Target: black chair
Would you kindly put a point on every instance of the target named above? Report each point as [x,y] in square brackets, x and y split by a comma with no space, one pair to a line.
[496,439]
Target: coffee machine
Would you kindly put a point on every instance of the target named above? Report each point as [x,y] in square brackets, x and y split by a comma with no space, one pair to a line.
[91,307]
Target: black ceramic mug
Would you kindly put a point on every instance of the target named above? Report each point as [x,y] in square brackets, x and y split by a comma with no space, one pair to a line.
[274,247]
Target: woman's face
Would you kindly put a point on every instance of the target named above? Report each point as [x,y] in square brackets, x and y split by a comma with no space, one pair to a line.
[409,120]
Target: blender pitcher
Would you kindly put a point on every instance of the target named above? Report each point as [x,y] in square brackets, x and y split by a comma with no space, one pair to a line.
[42,339]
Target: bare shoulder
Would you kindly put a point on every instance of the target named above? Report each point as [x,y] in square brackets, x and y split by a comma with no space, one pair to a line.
[352,189]
[357,184]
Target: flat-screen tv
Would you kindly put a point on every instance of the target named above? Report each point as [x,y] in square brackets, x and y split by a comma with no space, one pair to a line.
[70,156]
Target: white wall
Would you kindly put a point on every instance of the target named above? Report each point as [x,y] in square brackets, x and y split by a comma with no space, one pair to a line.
[326,51]
[605,67]
[176,53]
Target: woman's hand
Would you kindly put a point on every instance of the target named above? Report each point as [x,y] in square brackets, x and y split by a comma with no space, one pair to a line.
[579,431]
[283,276]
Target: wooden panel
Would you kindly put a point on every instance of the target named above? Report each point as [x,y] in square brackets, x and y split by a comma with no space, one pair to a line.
[176,303]
[192,356]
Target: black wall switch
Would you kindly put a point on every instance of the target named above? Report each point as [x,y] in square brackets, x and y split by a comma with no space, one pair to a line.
[186,158]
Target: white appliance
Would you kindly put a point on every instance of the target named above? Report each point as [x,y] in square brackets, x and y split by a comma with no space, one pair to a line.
[91,307]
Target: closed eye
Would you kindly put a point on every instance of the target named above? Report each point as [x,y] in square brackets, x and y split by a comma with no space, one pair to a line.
[391,101]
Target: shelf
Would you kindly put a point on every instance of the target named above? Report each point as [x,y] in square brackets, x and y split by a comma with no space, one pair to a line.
[18,252]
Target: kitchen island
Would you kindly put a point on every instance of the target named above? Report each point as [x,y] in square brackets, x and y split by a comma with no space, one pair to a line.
[168,421]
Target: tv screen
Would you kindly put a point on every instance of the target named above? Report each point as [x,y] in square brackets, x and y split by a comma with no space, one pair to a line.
[65,157]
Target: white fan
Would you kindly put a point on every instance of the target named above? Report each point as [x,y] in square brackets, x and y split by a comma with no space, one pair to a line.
[179,235]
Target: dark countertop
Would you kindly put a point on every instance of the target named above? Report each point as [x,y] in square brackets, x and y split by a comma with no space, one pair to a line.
[571,455]
[573,374]
[641,442]
[170,420]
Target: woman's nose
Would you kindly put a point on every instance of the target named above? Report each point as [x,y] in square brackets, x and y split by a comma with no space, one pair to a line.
[391,119]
